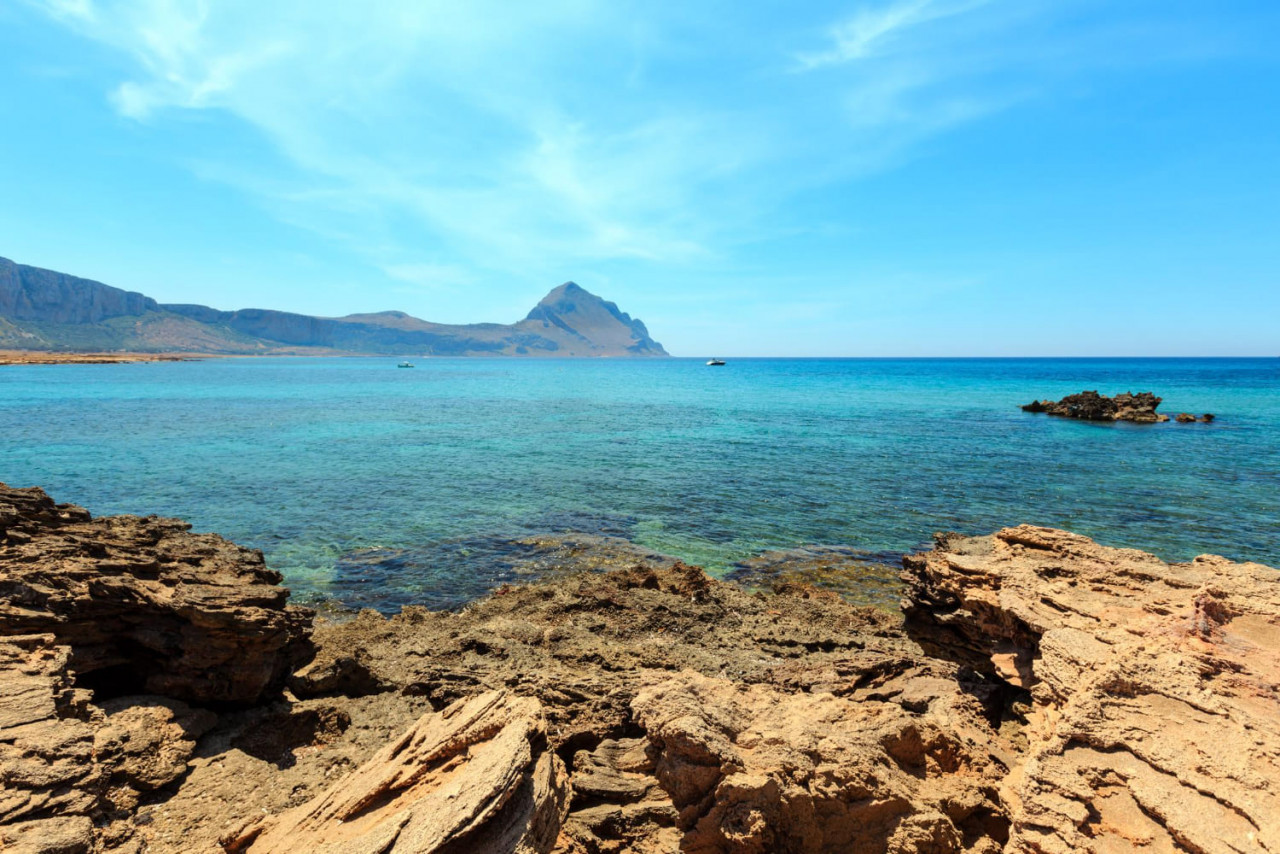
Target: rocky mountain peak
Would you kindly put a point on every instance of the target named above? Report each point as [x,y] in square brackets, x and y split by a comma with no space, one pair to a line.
[47,310]
[577,311]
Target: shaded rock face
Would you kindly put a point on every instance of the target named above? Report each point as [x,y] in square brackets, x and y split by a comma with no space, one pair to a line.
[144,605]
[599,323]
[1091,406]
[1153,719]
[30,293]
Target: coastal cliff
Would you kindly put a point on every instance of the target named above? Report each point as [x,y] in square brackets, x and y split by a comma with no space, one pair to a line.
[31,293]
[42,310]
[1038,693]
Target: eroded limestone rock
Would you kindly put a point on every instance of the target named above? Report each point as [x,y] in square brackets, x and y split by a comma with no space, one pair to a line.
[146,743]
[754,769]
[144,605]
[1154,687]
[47,767]
[71,772]
[475,777]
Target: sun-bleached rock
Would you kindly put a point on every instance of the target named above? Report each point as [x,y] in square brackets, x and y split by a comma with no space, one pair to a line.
[475,777]
[47,766]
[1154,687]
[64,835]
[754,769]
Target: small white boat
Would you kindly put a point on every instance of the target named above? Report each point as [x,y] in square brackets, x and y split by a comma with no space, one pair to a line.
[405,365]
[716,362]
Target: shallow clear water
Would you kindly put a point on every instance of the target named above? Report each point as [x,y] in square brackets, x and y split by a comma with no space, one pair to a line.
[314,460]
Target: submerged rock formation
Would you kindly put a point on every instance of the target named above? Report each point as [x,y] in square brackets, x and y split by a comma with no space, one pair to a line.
[1153,689]
[1044,694]
[144,605]
[1091,406]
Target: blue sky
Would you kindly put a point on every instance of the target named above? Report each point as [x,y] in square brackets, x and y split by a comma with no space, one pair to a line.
[906,177]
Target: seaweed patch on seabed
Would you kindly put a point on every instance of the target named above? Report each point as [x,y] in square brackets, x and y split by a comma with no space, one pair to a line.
[449,574]
[859,577]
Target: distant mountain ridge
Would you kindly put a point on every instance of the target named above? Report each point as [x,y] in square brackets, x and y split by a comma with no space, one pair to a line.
[46,310]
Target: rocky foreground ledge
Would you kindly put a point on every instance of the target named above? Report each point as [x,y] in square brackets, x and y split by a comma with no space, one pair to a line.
[1042,694]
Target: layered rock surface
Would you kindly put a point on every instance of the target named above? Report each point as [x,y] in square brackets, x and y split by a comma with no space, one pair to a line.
[144,605]
[696,716]
[1154,689]
[1045,694]
[475,777]
[51,784]
[73,772]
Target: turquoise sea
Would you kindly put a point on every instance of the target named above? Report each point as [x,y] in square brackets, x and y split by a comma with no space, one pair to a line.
[316,460]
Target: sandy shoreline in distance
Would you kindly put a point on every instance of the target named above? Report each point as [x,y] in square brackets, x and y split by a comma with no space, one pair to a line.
[32,357]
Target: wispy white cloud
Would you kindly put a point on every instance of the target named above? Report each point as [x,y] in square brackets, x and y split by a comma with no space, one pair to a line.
[872,30]
[449,115]
[444,141]
[431,276]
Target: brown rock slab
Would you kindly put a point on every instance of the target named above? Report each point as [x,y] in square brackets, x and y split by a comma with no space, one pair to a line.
[1154,688]
[65,835]
[475,777]
[754,769]
[47,767]
[144,605]
[147,742]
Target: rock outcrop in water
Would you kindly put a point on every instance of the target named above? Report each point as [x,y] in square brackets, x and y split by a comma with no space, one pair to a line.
[1091,406]
[1044,694]
[44,310]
